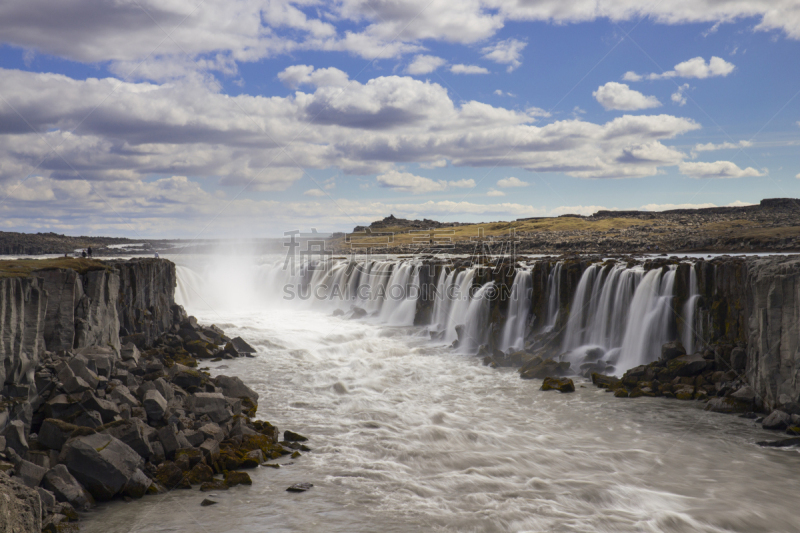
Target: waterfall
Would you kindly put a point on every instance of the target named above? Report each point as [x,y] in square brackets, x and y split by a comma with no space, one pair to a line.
[458,307]
[621,314]
[476,319]
[649,319]
[553,296]
[690,329]
[519,304]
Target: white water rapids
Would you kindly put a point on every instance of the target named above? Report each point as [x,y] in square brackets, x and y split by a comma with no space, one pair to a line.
[408,435]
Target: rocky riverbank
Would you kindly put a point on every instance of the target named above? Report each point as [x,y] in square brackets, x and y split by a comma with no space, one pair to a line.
[119,407]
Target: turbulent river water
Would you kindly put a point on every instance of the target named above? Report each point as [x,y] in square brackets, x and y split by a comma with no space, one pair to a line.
[409,436]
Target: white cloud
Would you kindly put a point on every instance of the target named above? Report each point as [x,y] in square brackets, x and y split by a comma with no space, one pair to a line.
[468,69]
[153,132]
[424,64]
[739,203]
[678,97]
[507,52]
[315,192]
[176,38]
[798,176]
[298,75]
[718,169]
[495,192]
[462,184]
[710,147]
[697,67]
[511,182]
[407,182]
[618,96]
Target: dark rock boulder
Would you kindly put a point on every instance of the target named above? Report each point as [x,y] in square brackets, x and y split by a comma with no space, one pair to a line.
[133,432]
[101,463]
[237,478]
[67,489]
[233,387]
[559,384]
[671,350]
[777,420]
[541,369]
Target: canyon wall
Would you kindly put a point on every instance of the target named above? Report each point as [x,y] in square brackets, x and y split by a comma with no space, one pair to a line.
[62,309]
[752,303]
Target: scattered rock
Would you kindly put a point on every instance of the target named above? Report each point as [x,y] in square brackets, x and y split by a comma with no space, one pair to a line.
[237,478]
[206,502]
[777,420]
[101,463]
[559,384]
[672,350]
[291,436]
[299,487]
[538,369]
[67,489]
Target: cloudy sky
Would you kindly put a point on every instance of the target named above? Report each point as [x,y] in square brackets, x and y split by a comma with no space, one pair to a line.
[211,118]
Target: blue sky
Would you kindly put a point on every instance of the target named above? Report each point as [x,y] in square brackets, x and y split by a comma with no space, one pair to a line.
[255,117]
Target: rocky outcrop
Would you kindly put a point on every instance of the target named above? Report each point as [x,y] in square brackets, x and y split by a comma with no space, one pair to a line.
[22,317]
[96,319]
[146,302]
[20,507]
[773,329]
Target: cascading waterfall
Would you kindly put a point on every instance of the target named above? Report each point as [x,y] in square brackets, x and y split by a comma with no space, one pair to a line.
[624,312]
[475,332]
[690,329]
[553,296]
[649,319]
[620,315]
[513,335]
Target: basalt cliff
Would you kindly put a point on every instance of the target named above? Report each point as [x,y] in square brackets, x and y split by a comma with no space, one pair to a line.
[102,396]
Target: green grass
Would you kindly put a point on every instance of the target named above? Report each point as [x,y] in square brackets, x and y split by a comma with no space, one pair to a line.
[21,268]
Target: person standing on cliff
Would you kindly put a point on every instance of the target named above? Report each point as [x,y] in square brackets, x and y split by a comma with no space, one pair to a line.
[89,251]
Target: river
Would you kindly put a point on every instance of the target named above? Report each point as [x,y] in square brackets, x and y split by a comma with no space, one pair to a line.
[408,435]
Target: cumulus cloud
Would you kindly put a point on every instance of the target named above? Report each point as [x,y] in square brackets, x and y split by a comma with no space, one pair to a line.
[619,96]
[164,40]
[507,52]
[468,69]
[511,182]
[711,147]
[188,137]
[697,67]
[495,192]
[425,64]
[718,169]
[360,128]
[678,97]
[410,183]
[315,192]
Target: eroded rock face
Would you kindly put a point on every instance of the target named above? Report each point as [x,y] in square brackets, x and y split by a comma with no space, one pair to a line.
[20,507]
[23,303]
[773,349]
